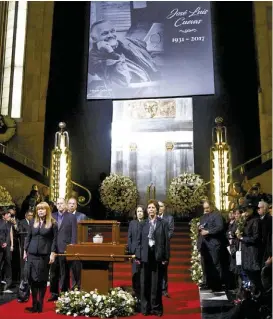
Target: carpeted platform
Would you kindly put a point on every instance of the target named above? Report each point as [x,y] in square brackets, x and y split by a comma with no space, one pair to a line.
[183,304]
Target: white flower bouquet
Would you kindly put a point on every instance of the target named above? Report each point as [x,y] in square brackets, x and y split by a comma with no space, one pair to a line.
[185,192]
[117,303]
[118,193]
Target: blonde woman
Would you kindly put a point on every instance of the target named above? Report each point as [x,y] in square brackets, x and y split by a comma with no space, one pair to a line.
[40,248]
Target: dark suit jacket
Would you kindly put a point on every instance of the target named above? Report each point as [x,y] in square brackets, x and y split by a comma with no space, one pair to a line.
[162,242]
[67,233]
[266,228]
[170,221]
[213,222]
[41,241]
[133,230]
[4,232]
[80,216]
[23,226]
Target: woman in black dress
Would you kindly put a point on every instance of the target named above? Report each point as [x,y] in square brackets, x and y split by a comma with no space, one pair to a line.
[132,244]
[40,248]
[153,252]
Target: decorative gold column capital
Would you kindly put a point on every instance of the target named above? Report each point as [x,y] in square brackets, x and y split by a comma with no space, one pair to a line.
[133,147]
[169,146]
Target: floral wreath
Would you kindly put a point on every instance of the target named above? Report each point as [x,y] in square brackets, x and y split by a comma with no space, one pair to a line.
[117,303]
[7,128]
[118,193]
[185,192]
[5,197]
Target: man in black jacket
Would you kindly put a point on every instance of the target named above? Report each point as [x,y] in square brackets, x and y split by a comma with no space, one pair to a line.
[266,228]
[23,230]
[209,244]
[170,221]
[67,234]
[6,248]
[76,264]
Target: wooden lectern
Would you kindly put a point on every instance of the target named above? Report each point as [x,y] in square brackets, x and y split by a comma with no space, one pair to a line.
[97,258]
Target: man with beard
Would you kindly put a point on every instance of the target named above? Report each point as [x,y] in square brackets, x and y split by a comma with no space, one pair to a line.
[119,63]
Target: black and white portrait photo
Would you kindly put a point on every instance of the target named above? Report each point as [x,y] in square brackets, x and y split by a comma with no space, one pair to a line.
[129,56]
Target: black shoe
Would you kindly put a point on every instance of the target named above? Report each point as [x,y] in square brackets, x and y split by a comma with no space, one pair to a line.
[52,298]
[217,289]
[204,287]
[165,294]
[39,307]
[146,314]
[157,313]
[31,309]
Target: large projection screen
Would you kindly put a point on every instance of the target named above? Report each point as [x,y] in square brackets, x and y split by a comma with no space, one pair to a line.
[148,49]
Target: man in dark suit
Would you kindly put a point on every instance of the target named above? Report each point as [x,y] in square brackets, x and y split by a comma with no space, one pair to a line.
[76,265]
[23,230]
[266,227]
[170,221]
[209,244]
[67,234]
[6,248]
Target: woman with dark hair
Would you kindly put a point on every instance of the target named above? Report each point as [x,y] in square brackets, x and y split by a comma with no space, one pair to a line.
[40,248]
[132,244]
[152,253]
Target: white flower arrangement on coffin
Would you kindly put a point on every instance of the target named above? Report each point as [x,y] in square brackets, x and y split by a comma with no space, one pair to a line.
[185,192]
[118,193]
[196,269]
[5,197]
[117,303]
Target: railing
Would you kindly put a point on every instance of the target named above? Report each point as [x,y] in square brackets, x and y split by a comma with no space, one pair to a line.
[44,171]
[265,156]
[12,153]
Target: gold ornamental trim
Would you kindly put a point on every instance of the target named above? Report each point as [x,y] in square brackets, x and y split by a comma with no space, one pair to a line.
[151,109]
[169,146]
[8,123]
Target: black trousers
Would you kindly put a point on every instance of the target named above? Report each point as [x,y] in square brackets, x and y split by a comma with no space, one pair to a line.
[210,260]
[151,284]
[136,270]
[5,265]
[59,276]
[165,278]
[76,267]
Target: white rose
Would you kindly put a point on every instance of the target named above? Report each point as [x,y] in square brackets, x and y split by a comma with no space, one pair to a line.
[68,313]
[87,309]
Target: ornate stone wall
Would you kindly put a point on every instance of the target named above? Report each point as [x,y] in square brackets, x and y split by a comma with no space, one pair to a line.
[29,138]
[263,33]
[152,142]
